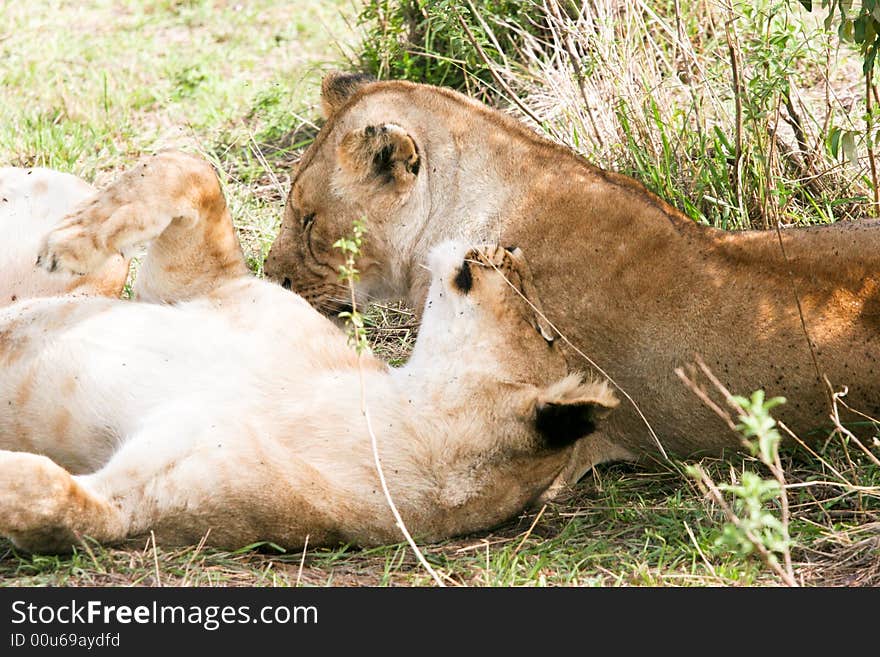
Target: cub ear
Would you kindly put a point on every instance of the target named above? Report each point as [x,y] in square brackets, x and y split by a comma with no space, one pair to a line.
[570,409]
[384,151]
[337,87]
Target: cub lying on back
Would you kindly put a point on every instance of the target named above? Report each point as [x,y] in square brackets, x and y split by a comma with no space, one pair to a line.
[236,411]
[32,201]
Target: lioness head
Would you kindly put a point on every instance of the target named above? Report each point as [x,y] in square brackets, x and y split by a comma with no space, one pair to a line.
[363,165]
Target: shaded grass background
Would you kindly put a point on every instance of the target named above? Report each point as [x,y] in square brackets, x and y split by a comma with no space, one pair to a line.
[643,87]
[89,87]
[733,111]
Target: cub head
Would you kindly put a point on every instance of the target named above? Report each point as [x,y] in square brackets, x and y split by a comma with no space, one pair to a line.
[367,163]
[485,341]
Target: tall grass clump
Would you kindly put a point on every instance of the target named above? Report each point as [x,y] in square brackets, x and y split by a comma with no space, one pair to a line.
[742,114]
[446,42]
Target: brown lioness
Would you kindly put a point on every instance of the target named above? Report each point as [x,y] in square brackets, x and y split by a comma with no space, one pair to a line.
[233,409]
[636,285]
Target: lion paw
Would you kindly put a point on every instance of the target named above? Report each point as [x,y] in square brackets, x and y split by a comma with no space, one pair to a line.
[33,491]
[37,498]
[74,246]
[492,256]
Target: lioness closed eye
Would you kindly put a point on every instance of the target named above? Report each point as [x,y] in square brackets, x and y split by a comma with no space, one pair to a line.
[234,409]
[632,282]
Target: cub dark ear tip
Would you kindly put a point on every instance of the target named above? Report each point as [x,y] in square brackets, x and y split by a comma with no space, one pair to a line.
[563,424]
[464,280]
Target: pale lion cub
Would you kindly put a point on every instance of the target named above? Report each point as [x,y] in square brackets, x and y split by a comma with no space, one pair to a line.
[233,408]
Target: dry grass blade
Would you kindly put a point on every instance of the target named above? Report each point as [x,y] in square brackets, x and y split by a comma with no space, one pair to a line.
[358,336]
[835,417]
[530,529]
[514,97]
[705,398]
[738,93]
[696,543]
[302,562]
[797,299]
[156,558]
[98,566]
[553,9]
[391,505]
[195,554]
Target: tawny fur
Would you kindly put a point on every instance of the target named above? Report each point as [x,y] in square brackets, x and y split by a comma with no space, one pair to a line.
[233,409]
[32,201]
[636,285]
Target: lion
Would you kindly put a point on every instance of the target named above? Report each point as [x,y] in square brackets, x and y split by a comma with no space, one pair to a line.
[32,201]
[633,284]
[222,407]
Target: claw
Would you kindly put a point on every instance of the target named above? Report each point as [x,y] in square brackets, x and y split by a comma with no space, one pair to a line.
[39,260]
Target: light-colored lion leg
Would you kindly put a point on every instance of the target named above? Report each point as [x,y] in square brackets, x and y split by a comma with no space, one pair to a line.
[182,477]
[164,475]
[587,454]
[189,478]
[171,201]
[44,508]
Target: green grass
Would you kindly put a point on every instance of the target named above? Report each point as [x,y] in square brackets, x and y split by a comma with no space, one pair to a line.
[87,88]
[623,526]
[237,82]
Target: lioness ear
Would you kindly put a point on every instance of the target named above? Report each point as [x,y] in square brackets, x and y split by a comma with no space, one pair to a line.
[337,87]
[569,410]
[382,151]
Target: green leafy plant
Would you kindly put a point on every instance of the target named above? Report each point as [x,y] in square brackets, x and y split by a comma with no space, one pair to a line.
[757,524]
[350,246]
[758,517]
[858,25]
[758,427]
